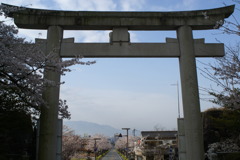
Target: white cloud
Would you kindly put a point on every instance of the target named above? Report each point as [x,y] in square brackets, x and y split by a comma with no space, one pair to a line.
[16,2]
[79,36]
[186,5]
[189,3]
[93,5]
[181,5]
[30,35]
[82,36]
[27,3]
[132,5]
[88,36]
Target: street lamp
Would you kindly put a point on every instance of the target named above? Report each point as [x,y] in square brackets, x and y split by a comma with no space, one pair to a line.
[95,146]
[178,98]
[127,140]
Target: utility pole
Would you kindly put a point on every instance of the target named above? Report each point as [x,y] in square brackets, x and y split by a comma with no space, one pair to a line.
[134,130]
[127,140]
[95,146]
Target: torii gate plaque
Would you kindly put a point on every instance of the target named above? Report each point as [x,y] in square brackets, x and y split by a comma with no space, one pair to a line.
[184,47]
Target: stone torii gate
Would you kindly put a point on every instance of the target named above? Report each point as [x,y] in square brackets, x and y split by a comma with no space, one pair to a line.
[184,47]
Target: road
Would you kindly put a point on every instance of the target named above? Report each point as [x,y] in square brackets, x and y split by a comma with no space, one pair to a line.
[112,155]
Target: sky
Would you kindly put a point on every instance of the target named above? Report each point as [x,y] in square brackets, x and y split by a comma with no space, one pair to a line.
[136,93]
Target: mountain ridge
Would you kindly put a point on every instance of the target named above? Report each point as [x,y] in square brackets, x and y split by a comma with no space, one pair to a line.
[85,128]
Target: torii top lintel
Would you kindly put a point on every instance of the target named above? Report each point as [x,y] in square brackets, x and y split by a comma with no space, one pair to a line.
[102,20]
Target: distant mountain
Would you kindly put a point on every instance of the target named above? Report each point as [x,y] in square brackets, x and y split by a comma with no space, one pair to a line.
[88,128]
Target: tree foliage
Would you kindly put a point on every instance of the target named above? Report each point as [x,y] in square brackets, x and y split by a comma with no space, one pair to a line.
[101,144]
[71,143]
[225,72]
[232,26]
[76,146]
[122,141]
[20,81]
[21,72]
[16,136]
[221,131]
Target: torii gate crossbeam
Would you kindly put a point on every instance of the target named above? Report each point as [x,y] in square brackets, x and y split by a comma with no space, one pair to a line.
[69,49]
[185,48]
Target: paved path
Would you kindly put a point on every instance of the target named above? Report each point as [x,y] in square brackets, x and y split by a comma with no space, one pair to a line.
[112,155]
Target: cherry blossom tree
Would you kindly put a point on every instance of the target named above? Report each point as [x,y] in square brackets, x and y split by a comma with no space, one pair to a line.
[225,146]
[21,72]
[122,141]
[225,71]
[18,71]
[232,26]
[72,144]
[22,65]
[102,143]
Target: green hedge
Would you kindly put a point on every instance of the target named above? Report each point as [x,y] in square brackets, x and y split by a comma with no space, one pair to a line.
[228,156]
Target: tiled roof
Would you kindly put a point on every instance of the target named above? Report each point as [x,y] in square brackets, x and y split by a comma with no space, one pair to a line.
[159,134]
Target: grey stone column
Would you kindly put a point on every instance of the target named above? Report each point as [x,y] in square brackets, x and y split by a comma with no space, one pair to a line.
[49,114]
[190,95]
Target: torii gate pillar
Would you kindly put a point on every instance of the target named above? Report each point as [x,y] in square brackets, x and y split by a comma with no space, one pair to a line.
[49,115]
[190,96]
